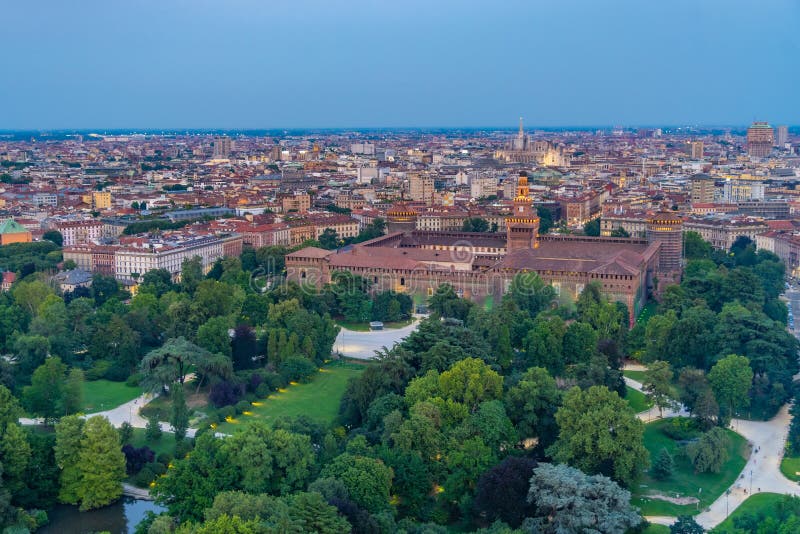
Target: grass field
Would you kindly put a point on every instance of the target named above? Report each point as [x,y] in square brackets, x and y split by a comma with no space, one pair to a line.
[635,375]
[656,529]
[684,481]
[101,395]
[318,399]
[648,311]
[638,400]
[790,466]
[762,504]
[165,444]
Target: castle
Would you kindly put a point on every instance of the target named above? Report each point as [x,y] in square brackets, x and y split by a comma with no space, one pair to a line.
[481,266]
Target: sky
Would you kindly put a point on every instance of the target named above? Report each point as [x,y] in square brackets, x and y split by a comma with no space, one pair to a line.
[262,64]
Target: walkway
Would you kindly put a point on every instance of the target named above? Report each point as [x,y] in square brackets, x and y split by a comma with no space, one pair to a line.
[762,472]
[362,345]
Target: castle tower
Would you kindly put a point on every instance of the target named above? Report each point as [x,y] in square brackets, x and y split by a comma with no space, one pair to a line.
[667,228]
[522,226]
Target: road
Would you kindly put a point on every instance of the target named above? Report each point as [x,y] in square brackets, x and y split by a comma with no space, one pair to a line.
[362,345]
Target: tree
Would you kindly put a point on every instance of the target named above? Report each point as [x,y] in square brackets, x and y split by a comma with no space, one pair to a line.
[213,336]
[686,525]
[531,405]
[663,466]
[730,378]
[45,396]
[475,224]
[544,343]
[600,434]
[104,287]
[315,515]
[502,491]
[695,247]
[658,385]
[69,433]
[10,411]
[15,455]
[153,429]
[470,381]
[244,347]
[191,274]
[170,363]
[710,452]
[179,414]
[102,464]
[530,293]
[367,480]
[592,227]
[329,239]
[54,236]
[568,500]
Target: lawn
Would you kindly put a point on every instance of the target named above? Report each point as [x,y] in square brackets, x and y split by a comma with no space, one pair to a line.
[635,375]
[638,400]
[762,504]
[684,481]
[318,399]
[790,466]
[165,444]
[101,395]
[648,311]
[656,529]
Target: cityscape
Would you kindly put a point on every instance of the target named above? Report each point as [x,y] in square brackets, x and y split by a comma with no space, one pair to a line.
[423,269]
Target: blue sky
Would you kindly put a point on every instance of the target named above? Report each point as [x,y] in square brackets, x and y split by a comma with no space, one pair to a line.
[358,63]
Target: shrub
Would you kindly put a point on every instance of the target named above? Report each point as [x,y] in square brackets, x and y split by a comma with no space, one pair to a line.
[136,458]
[98,370]
[133,380]
[157,468]
[144,477]
[225,393]
[182,448]
[680,428]
[242,406]
[298,368]
[263,390]
[227,411]
[212,417]
[164,458]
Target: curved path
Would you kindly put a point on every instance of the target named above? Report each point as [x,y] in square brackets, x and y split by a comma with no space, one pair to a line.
[362,345]
[761,473]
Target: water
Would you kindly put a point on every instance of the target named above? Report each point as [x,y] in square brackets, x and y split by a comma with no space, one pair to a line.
[118,518]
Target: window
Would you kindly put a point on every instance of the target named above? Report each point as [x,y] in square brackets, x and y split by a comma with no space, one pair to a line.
[402,281]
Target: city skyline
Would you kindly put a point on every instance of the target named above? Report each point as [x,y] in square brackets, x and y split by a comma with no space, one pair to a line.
[450,65]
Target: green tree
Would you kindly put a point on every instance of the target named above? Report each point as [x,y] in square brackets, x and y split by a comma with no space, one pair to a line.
[470,382]
[710,452]
[314,515]
[102,464]
[15,454]
[475,224]
[329,239]
[730,378]
[69,433]
[568,500]
[104,287]
[10,411]
[54,236]
[600,434]
[532,403]
[367,480]
[592,227]
[191,274]
[658,385]
[45,396]
[179,413]
[530,293]
[170,363]
[695,248]
[213,336]
[685,525]
[545,342]
[153,429]
[663,466]
[73,390]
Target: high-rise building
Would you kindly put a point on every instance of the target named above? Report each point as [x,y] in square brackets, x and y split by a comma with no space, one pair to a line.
[760,139]
[222,147]
[695,149]
[420,187]
[781,135]
[702,189]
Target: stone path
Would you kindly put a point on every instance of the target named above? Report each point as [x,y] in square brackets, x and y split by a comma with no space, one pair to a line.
[761,473]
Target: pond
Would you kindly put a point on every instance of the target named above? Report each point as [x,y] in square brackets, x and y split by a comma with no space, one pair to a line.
[118,518]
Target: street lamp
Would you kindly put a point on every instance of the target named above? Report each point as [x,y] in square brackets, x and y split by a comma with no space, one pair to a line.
[727,492]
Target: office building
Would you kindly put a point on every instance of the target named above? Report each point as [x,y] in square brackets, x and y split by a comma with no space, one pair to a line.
[760,139]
